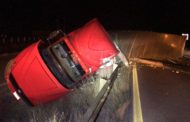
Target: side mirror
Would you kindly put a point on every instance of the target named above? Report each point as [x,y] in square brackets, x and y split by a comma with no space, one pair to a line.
[54,36]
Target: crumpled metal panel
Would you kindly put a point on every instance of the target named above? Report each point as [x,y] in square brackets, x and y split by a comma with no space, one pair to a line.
[150,45]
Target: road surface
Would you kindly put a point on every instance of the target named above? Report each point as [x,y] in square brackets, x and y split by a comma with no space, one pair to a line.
[164,94]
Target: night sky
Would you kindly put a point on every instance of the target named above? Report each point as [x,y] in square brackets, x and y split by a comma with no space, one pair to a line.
[161,16]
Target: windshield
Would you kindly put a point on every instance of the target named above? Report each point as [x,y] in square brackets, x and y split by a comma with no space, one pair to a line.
[62,63]
[67,60]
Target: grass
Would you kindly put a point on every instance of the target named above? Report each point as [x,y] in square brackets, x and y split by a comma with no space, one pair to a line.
[72,107]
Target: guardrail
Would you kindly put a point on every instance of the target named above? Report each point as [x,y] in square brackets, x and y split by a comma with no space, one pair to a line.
[10,44]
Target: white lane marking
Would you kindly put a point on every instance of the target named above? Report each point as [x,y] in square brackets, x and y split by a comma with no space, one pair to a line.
[137,110]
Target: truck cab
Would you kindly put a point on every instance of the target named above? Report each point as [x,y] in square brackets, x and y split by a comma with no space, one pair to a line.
[51,68]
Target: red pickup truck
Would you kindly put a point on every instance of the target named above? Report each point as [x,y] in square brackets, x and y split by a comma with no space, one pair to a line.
[48,69]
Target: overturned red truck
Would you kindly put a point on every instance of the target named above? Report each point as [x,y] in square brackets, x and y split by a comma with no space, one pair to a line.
[48,69]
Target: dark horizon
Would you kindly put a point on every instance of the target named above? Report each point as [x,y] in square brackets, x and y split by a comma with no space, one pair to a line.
[25,17]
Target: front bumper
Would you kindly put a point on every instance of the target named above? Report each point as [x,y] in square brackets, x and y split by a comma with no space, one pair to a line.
[17,90]
[13,86]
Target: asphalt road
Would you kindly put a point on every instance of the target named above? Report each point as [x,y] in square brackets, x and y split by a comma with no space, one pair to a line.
[164,94]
